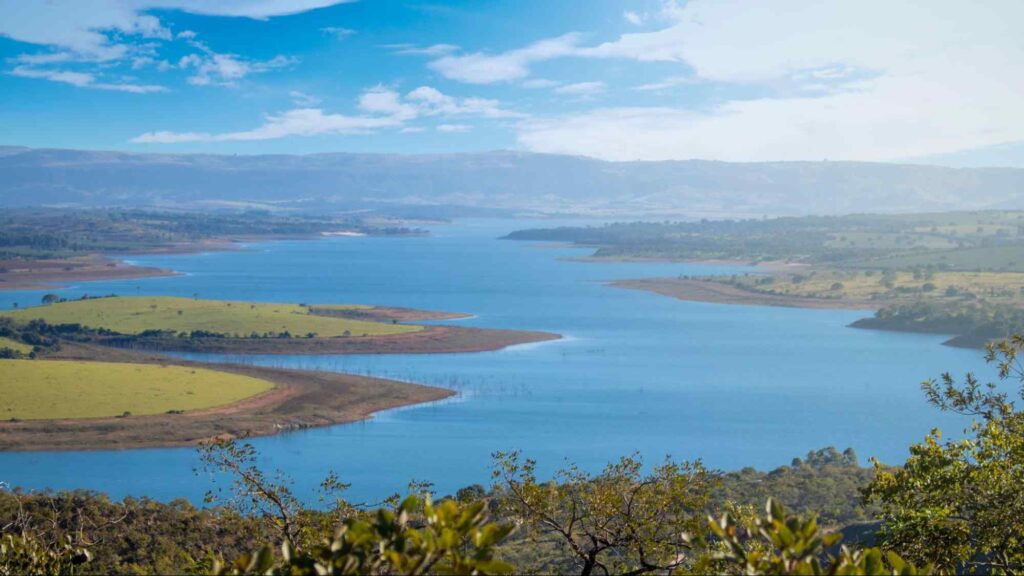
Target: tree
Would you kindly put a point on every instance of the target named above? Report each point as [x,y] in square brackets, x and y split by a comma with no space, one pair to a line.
[959,503]
[452,539]
[780,543]
[50,298]
[619,521]
[252,491]
[24,553]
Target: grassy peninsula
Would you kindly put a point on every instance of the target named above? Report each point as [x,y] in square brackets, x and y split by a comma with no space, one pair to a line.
[167,314]
[958,273]
[221,326]
[82,374]
[150,405]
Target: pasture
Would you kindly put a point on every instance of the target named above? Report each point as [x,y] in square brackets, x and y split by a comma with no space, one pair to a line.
[59,389]
[14,345]
[133,315]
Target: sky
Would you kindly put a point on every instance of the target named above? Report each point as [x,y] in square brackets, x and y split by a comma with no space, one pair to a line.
[932,81]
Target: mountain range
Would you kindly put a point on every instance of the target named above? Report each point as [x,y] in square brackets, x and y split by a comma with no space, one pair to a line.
[495,183]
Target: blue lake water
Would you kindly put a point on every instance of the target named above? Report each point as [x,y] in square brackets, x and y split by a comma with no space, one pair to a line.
[733,385]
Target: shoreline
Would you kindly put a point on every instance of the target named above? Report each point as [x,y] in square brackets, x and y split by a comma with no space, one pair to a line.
[766,265]
[720,293]
[58,273]
[299,400]
[431,340]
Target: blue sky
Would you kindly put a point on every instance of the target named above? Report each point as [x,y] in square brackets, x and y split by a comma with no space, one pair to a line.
[615,79]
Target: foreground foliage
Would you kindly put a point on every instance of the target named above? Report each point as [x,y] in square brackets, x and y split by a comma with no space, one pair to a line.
[25,554]
[779,543]
[954,506]
[621,520]
[452,539]
[960,503]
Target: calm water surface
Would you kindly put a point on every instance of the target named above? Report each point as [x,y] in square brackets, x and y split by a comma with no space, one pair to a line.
[733,385]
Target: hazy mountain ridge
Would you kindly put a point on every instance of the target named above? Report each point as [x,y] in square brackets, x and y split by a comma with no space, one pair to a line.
[512,181]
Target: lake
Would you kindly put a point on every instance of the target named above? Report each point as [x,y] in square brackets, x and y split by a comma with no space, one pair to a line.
[733,385]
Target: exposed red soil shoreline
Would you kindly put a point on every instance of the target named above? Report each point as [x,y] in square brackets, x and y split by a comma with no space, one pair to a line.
[44,274]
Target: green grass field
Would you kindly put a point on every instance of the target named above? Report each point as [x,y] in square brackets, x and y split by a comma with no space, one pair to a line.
[14,345]
[131,315]
[51,389]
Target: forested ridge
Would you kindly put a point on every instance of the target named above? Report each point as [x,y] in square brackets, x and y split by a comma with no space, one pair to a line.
[38,233]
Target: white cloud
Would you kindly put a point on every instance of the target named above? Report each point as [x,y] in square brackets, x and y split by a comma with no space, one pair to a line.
[414,50]
[582,89]
[338,32]
[227,69]
[535,83]
[868,80]
[890,120]
[106,32]
[454,128]
[84,80]
[45,58]
[139,62]
[432,102]
[633,17]
[303,100]
[382,100]
[480,68]
[296,122]
[665,83]
[84,26]
[164,137]
[380,108]
[256,9]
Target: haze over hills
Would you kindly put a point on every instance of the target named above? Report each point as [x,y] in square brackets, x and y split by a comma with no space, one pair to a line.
[496,182]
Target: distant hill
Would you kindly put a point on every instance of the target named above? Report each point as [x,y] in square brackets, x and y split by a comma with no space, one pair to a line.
[496,182]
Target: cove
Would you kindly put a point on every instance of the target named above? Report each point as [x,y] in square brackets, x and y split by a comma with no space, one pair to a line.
[733,385]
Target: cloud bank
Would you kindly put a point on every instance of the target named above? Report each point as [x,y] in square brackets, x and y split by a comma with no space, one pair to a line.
[869,80]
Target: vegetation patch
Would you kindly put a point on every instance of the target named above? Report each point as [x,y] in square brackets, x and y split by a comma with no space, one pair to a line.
[139,315]
[888,286]
[19,347]
[61,389]
[966,241]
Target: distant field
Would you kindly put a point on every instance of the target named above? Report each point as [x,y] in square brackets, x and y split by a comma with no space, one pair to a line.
[132,315]
[52,389]
[14,345]
[999,287]
[968,241]
[997,258]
